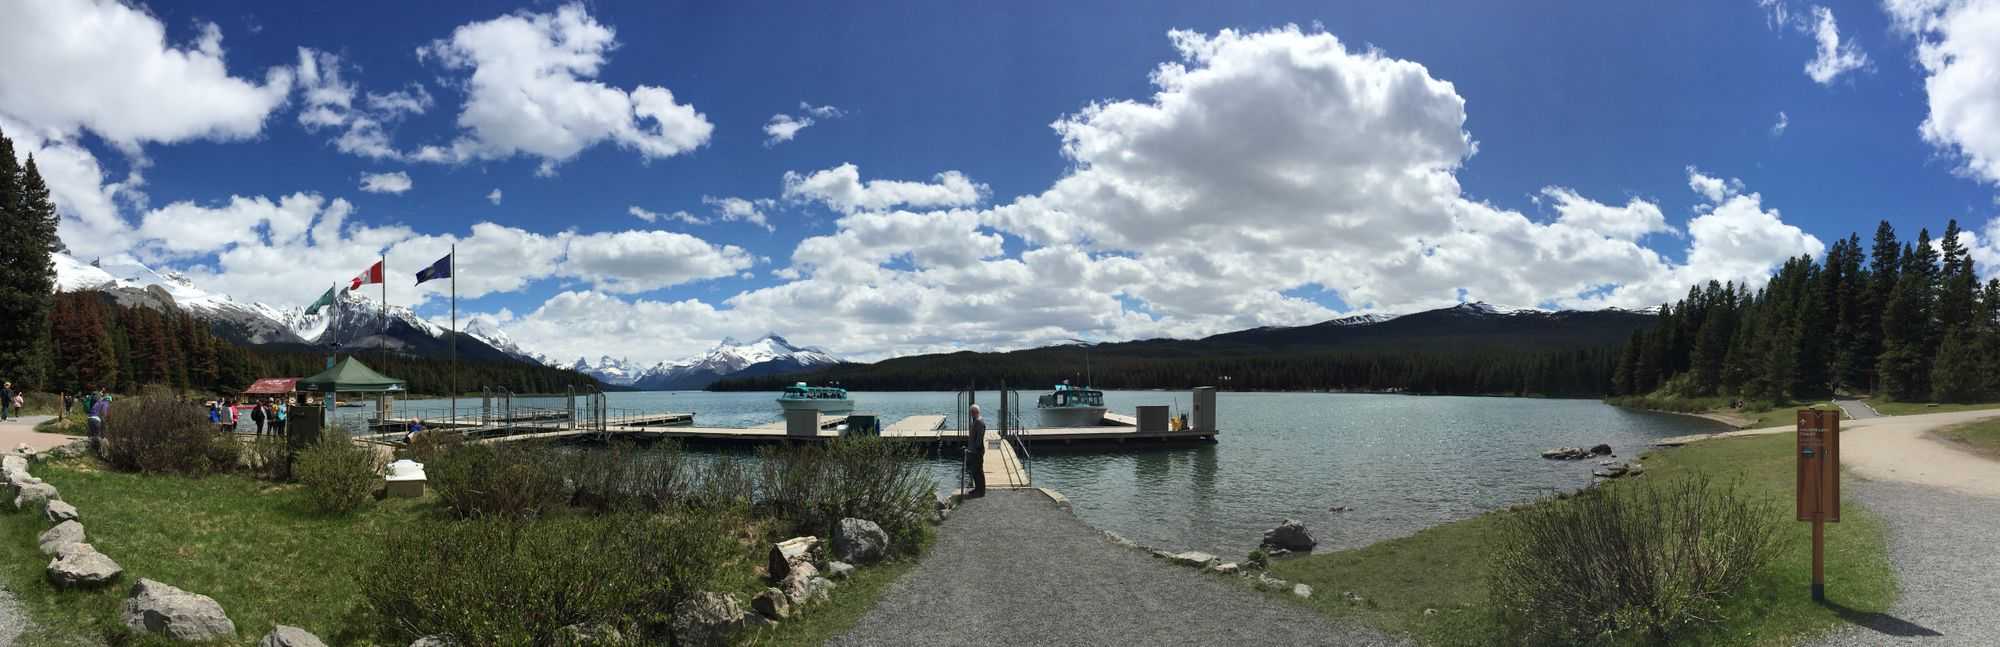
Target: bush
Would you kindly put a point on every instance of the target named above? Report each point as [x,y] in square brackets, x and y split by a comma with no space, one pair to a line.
[152,434]
[865,478]
[508,581]
[338,474]
[1626,562]
[498,479]
[269,458]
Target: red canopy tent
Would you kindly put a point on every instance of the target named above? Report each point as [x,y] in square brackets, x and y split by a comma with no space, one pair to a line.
[273,386]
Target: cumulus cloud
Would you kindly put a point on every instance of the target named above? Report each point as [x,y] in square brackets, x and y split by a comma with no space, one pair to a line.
[395,182]
[637,261]
[653,216]
[1833,57]
[841,188]
[1958,47]
[732,209]
[330,101]
[494,197]
[531,91]
[783,127]
[1778,128]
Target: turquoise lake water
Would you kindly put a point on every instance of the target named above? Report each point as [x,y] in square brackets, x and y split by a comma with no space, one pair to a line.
[1398,463]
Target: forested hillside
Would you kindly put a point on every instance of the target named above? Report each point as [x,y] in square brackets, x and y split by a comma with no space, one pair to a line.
[1909,321]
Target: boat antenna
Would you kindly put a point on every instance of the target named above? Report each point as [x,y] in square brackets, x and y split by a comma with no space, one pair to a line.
[1086,360]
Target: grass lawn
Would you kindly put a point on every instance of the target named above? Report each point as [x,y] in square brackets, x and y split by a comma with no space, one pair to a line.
[1982,437]
[1892,408]
[1751,415]
[1446,567]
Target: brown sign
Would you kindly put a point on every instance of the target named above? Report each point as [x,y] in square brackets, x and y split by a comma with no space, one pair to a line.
[1819,465]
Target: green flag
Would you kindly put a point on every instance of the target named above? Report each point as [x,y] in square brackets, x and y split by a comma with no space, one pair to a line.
[325,300]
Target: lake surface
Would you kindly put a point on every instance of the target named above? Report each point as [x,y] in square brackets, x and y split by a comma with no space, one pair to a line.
[1398,463]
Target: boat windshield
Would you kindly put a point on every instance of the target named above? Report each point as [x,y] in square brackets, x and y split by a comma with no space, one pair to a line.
[1072,397]
[815,393]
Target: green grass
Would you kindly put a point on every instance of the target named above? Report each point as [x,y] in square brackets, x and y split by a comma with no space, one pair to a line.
[1751,415]
[73,426]
[1893,408]
[1982,437]
[1446,567]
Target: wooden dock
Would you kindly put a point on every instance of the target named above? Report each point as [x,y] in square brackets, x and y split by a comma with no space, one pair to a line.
[1002,465]
[1115,430]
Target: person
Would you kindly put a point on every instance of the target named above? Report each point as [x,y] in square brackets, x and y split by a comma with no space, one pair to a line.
[278,419]
[257,417]
[215,414]
[19,404]
[89,401]
[6,400]
[416,427]
[975,453]
[95,412]
[67,400]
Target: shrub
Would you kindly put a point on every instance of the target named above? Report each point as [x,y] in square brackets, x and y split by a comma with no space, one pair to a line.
[507,581]
[152,434]
[338,474]
[1629,562]
[497,479]
[865,478]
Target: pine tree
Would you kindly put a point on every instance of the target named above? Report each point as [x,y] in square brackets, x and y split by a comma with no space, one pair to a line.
[27,273]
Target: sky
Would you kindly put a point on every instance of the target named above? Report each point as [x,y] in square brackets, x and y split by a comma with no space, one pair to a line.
[643,179]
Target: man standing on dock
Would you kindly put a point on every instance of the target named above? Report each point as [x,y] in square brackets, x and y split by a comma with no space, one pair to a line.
[975,452]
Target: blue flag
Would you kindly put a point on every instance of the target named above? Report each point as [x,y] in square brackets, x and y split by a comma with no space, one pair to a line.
[439,270]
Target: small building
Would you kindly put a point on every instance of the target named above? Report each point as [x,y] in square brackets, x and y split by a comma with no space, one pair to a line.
[274,388]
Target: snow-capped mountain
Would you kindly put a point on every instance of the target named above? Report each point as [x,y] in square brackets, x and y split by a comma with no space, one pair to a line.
[767,355]
[132,283]
[610,370]
[498,339]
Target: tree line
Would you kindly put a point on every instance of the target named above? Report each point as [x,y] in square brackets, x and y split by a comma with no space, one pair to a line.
[1905,320]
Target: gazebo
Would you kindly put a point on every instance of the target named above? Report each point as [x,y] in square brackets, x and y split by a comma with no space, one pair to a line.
[349,375]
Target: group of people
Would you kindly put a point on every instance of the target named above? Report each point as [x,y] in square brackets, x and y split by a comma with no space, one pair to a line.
[268,416]
[11,401]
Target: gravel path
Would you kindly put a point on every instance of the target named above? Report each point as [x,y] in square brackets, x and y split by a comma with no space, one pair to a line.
[1014,569]
[21,429]
[13,620]
[1857,409]
[1942,544]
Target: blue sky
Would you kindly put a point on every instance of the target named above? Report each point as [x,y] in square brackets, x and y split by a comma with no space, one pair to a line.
[1628,108]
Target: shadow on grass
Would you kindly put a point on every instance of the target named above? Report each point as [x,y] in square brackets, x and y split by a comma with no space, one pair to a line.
[1881,623]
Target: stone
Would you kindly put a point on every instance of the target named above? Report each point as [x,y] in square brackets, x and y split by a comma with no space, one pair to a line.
[859,541]
[1302,590]
[784,554]
[839,570]
[754,621]
[431,641]
[1225,568]
[1601,449]
[58,511]
[29,495]
[290,636]
[1193,558]
[1611,472]
[1338,508]
[1430,612]
[1634,469]
[1162,554]
[589,634]
[12,463]
[707,620]
[81,566]
[158,608]
[819,589]
[1290,535]
[1268,583]
[773,604]
[67,532]
[24,450]
[1567,453]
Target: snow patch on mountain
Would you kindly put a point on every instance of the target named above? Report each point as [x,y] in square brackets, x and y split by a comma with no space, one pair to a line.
[134,283]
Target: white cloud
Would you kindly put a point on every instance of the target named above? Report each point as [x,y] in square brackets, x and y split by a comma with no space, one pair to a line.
[732,209]
[1958,46]
[841,188]
[494,197]
[1834,57]
[531,92]
[638,261]
[1778,129]
[393,182]
[329,102]
[1630,222]
[783,127]
[652,216]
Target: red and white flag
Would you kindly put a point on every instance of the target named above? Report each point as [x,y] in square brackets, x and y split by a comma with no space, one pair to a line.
[373,275]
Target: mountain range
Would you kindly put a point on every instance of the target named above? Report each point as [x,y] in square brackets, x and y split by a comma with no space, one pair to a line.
[768,355]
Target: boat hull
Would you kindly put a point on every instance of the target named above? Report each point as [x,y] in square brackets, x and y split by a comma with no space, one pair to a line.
[1071,416]
[822,405]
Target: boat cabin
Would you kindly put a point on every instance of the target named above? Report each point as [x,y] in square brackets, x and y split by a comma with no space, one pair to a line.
[800,391]
[1066,396]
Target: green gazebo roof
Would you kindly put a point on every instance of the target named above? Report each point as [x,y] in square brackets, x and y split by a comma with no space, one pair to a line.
[351,376]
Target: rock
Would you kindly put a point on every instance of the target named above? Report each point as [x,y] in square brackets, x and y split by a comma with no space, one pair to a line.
[754,621]
[67,532]
[81,566]
[839,570]
[589,634]
[1611,472]
[1567,453]
[1162,554]
[1601,449]
[157,608]
[1338,508]
[784,554]
[819,589]
[1268,583]
[289,636]
[1430,612]
[11,463]
[28,495]
[1225,568]
[859,541]
[707,620]
[773,604]
[798,585]
[72,449]
[58,511]
[1302,590]
[1634,469]
[432,641]
[1290,535]
[1193,558]
[1352,597]
[24,450]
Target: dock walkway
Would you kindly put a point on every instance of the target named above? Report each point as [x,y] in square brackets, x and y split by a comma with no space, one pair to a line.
[1012,568]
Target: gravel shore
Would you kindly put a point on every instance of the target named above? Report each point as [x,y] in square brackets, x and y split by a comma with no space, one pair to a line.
[1941,544]
[1014,569]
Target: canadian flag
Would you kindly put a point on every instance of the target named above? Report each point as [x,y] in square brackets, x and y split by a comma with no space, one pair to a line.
[373,275]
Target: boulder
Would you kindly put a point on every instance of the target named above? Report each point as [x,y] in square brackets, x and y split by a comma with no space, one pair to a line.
[11,463]
[157,608]
[1290,535]
[58,511]
[839,570]
[707,620]
[81,566]
[67,532]
[805,586]
[1225,568]
[1601,449]
[820,589]
[589,634]
[1268,583]
[289,636]
[1193,558]
[24,450]
[1611,472]
[773,604]
[784,554]
[1302,590]
[859,541]
[29,495]
[1567,453]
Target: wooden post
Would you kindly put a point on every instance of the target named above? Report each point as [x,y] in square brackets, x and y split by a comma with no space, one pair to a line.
[1818,484]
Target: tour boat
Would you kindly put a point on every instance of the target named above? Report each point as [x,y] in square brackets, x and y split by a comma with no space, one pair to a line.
[1068,406]
[825,399]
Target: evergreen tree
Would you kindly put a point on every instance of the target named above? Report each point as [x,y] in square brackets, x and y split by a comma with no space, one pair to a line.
[27,273]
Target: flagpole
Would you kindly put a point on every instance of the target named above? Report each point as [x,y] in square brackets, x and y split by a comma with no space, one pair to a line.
[453,268]
[385,293]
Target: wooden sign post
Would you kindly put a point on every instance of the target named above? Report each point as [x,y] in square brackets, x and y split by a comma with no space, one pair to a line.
[1819,484]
